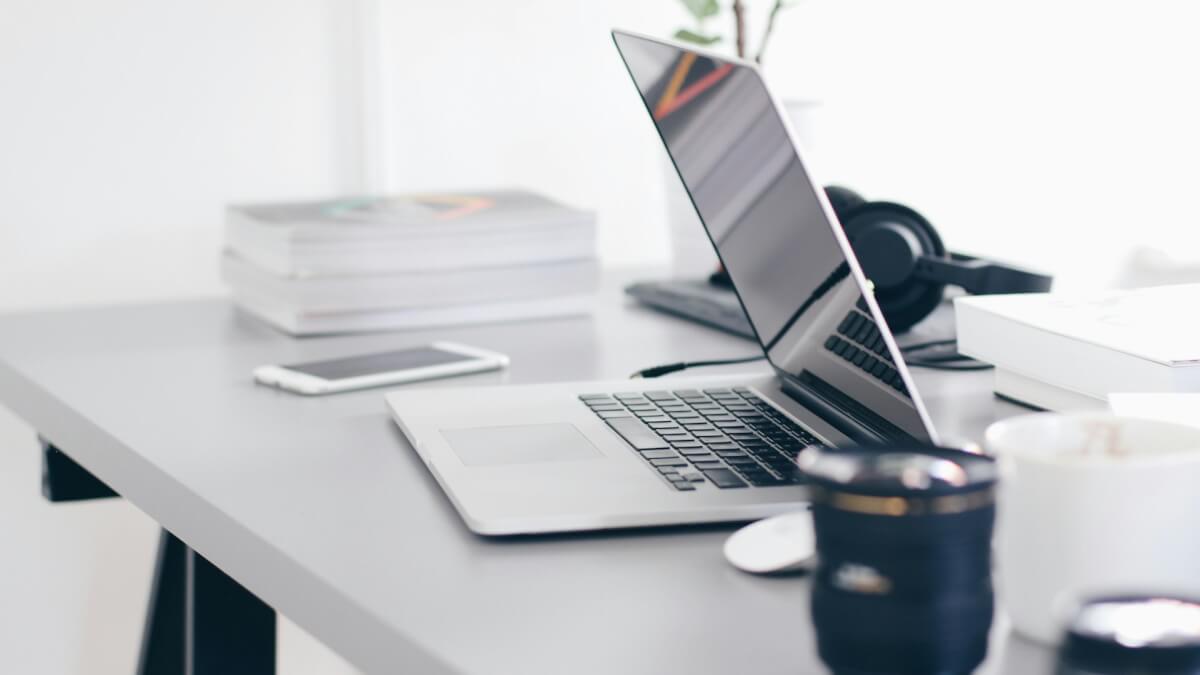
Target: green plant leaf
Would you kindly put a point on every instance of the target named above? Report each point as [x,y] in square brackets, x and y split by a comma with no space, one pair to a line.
[695,38]
[701,9]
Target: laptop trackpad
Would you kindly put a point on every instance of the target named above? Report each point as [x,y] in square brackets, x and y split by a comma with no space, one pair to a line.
[523,444]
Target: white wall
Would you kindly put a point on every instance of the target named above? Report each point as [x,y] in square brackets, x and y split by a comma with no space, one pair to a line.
[124,126]
[527,94]
[127,124]
[1057,134]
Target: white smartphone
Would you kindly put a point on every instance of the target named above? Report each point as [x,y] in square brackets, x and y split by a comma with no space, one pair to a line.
[439,359]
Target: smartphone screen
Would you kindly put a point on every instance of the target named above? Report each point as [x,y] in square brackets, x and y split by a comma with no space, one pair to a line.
[384,362]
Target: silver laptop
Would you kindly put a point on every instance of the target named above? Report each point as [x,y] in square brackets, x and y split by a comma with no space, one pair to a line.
[630,453]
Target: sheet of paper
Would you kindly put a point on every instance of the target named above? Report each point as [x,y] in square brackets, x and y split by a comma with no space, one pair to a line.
[1178,408]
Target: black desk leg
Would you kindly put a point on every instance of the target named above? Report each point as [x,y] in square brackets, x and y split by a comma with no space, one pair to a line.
[201,622]
[229,630]
[65,481]
[162,639]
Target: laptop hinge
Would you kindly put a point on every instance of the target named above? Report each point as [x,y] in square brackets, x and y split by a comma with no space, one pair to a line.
[843,413]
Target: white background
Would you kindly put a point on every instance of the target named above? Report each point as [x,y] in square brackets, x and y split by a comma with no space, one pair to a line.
[1055,133]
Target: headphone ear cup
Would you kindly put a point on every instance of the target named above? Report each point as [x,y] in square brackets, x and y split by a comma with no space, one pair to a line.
[843,200]
[889,239]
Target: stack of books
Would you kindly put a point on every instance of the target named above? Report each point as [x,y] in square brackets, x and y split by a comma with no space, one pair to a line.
[383,263]
[1060,351]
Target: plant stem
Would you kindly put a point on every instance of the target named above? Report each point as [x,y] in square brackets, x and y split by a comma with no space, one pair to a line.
[762,46]
[739,21]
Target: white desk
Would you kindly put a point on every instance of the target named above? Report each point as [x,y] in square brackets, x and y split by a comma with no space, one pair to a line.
[320,508]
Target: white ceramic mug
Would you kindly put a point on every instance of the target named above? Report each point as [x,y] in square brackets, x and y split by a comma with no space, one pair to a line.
[1093,504]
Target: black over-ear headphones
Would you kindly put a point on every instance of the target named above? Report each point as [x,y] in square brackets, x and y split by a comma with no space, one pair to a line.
[905,259]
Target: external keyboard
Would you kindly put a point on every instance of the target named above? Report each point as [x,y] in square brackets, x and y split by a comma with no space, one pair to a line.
[727,437]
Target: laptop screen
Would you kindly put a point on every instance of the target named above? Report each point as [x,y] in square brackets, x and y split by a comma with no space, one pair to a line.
[773,232]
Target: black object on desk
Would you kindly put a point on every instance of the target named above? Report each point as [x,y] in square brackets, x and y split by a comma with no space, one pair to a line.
[903,585]
[1133,635]
[696,299]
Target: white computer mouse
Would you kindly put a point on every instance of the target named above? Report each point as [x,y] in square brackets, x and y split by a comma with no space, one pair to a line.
[785,543]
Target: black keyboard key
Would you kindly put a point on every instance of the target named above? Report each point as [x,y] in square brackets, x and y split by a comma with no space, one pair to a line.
[597,407]
[675,461]
[844,326]
[676,437]
[831,342]
[857,322]
[723,478]
[683,485]
[640,436]
[708,464]
[723,447]
[863,333]
[695,452]
[686,445]
[766,480]
[659,454]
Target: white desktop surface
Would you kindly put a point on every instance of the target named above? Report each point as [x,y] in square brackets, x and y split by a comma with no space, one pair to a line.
[320,507]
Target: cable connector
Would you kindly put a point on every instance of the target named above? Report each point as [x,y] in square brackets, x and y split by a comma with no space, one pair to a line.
[659,371]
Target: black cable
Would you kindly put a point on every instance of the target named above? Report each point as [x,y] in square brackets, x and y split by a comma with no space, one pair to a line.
[658,371]
[953,361]
[926,345]
[933,365]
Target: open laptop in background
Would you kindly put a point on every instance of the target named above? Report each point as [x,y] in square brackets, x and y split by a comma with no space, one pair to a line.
[628,453]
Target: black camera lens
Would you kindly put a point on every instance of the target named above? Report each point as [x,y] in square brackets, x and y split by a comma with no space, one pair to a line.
[1133,635]
[903,582]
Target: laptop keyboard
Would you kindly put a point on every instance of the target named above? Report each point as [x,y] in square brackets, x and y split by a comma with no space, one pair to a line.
[859,342]
[727,437]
